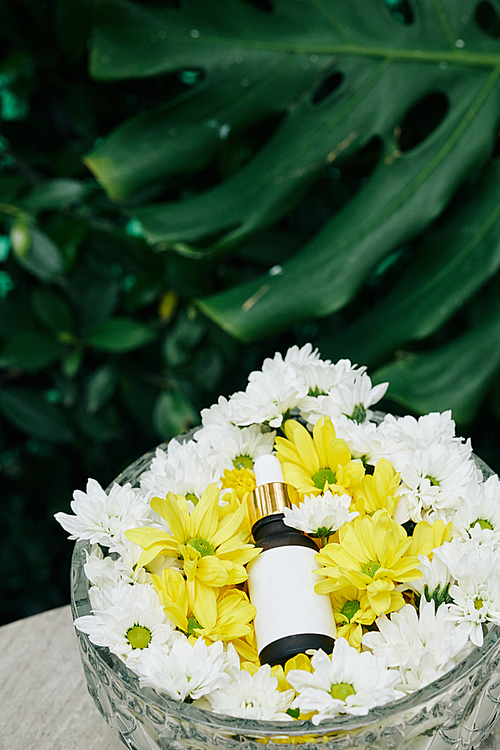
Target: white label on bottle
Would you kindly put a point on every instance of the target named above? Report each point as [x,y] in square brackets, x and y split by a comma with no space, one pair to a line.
[281,585]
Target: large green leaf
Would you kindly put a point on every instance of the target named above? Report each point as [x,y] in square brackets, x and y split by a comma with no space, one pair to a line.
[301,46]
[456,376]
[449,265]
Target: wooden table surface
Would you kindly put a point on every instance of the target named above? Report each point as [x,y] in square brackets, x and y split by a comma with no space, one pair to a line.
[44,703]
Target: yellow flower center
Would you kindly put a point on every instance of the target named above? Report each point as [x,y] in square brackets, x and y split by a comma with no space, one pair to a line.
[241,480]
[482,523]
[478,603]
[433,481]
[193,498]
[322,476]
[341,691]
[349,609]
[138,636]
[370,568]
[201,546]
[242,462]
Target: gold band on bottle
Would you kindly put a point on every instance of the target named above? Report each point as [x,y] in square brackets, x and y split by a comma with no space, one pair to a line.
[268,499]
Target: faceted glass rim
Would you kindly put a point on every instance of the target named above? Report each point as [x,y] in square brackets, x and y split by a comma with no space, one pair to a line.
[257,727]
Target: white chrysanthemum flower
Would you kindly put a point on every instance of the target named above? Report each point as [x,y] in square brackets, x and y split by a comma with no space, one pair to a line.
[320,515]
[217,415]
[101,571]
[128,618]
[253,697]
[321,378]
[415,434]
[99,517]
[269,395]
[434,484]
[185,670]
[303,356]
[459,555]
[436,579]
[236,447]
[479,517]
[319,375]
[128,557]
[422,646]
[348,682]
[366,440]
[185,468]
[476,592]
[347,402]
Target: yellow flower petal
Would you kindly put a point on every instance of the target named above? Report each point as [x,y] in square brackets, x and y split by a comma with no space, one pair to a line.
[204,603]
[175,511]
[205,516]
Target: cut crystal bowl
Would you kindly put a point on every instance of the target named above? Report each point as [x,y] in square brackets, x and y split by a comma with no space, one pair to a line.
[456,712]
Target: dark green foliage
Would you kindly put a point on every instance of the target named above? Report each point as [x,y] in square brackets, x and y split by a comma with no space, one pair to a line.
[231,171]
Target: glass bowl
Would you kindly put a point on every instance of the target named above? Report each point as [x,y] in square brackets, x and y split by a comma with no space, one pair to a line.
[456,712]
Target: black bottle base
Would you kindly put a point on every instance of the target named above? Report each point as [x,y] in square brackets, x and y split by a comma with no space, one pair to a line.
[278,652]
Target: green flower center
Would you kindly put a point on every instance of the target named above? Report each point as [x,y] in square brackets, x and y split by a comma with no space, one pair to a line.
[322,476]
[193,625]
[201,546]
[358,414]
[242,462]
[433,481]
[349,609]
[439,595]
[370,568]
[315,392]
[138,636]
[322,531]
[482,523]
[193,498]
[341,691]
[478,604]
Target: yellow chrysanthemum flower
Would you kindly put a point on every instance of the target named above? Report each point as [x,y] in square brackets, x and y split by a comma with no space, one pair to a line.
[300,661]
[372,554]
[234,611]
[242,481]
[352,610]
[246,648]
[318,463]
[427,536]
[212,550]
[376,490]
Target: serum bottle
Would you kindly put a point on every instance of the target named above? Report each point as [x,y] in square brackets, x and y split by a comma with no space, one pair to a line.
[291,617]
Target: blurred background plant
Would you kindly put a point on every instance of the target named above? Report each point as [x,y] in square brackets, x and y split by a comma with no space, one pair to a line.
[187,188]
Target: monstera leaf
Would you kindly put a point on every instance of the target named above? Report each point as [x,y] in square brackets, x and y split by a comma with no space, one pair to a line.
[341,75]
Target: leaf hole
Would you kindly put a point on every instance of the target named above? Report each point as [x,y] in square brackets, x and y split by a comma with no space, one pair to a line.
[327,86]
[487,19]
[401,11]
[338,184]
[263,5]
[242,146]
[422,119]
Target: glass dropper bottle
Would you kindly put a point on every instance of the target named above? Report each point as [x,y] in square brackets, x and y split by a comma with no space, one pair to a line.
[291,617]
